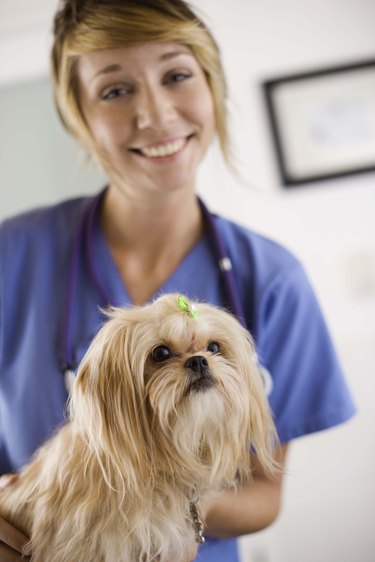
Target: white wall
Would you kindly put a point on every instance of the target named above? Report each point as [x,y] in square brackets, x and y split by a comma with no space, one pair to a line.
[329,499]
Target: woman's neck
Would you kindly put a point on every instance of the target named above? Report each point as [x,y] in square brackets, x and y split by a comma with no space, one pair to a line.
[149,238]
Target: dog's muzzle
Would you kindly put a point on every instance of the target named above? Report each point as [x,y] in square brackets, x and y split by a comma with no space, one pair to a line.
[198,371]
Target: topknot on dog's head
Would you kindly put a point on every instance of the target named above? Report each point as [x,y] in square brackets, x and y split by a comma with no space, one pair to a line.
[176,316]
[189,310]
[176,303]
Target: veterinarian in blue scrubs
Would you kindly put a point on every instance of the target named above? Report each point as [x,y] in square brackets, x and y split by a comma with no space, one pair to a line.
[140,85]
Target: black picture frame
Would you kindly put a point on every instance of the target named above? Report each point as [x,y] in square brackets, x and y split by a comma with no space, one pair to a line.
[323,122]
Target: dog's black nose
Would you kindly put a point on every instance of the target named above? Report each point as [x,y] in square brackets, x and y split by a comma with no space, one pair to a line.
[197,363]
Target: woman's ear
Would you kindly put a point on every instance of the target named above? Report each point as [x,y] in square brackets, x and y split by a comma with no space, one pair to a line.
[108,407]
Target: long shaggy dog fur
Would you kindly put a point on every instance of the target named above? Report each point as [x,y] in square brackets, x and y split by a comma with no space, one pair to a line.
[164,409]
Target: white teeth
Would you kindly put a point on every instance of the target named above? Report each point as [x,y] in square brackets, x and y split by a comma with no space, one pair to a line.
[163,149]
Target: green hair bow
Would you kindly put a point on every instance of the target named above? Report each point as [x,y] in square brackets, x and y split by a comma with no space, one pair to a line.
[185,306]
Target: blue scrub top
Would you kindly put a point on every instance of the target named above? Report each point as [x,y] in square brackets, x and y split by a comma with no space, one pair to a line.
[308,390]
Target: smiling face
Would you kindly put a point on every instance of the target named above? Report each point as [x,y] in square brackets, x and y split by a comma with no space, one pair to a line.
[150,111]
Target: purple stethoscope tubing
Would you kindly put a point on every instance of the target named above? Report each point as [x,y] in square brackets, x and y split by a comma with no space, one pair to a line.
[224,263]
[83,245]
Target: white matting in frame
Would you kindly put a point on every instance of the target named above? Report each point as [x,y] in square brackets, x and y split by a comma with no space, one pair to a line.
[323,122]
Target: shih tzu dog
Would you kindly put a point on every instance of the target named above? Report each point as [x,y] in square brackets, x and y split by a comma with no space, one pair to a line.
[166,407]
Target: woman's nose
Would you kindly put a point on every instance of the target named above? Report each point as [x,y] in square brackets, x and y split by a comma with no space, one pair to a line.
[154,109]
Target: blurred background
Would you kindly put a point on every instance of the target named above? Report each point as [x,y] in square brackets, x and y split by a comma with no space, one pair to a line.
[329,496]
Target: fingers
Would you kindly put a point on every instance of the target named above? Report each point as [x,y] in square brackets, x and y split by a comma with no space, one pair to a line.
[12,537]
[13,542]
[7,554]
[6,480]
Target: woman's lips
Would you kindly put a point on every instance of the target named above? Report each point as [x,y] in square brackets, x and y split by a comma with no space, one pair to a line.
[163,149]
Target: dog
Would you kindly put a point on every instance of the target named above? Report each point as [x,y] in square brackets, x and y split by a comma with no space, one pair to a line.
[167,405]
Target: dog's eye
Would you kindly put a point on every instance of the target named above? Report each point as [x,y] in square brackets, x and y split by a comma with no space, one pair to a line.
[213,347]
[161,353]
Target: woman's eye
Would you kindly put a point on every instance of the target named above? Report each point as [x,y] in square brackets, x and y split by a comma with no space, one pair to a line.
[213,347]
[178,76]
[161,353]
[114,93]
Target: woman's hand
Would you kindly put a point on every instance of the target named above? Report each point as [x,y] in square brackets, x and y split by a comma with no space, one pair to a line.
[12,541]
[249,508]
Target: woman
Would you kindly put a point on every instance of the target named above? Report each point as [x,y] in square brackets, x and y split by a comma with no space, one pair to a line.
[139,83]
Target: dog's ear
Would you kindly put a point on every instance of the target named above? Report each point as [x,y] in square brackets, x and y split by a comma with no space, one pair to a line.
[262,433]
[108,407]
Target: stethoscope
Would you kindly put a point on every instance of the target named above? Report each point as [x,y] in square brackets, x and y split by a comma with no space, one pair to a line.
[83,246]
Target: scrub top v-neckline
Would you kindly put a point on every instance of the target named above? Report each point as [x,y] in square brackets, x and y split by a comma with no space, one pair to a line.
[109,275]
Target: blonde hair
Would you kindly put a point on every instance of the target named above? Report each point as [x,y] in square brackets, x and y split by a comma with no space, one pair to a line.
[89,25]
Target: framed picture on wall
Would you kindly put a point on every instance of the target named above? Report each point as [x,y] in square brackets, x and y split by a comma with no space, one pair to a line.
[323,122]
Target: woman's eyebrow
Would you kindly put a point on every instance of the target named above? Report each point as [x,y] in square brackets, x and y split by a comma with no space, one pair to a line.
[108,70]
[172,54]
[165,56]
